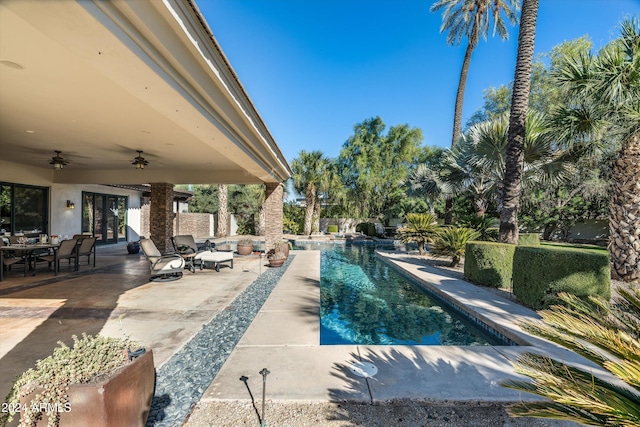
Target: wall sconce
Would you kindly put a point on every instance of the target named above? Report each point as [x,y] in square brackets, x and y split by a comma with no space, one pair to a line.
[70,204]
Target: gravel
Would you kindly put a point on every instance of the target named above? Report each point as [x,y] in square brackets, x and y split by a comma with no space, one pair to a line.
[344,414]
[181,381]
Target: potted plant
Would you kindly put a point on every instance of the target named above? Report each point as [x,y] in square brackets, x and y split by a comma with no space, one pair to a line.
[99,381]
[283,246]
[245,247]
[133,247]
[276,258]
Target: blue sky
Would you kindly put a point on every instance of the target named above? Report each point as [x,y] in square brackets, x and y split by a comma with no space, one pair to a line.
[315,68]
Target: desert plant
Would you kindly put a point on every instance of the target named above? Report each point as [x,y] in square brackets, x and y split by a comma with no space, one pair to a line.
[245,242]
[608,334]
[452,241]
[419,228]
[91,359]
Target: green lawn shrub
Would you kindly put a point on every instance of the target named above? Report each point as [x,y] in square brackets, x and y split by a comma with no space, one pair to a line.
[332,228]
[367,228]
[540,273]
[528,239]
[489,263]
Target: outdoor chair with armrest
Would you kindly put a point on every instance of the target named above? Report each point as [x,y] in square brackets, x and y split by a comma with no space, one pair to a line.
[10,258]
[166,267]
[66,250]
[87,247]
[187,248]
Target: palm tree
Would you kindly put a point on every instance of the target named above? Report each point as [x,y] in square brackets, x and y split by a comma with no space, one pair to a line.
[470,18]
[605,106]
[452,242]
[309,170]
[517,124]
[223,210]
[606,333]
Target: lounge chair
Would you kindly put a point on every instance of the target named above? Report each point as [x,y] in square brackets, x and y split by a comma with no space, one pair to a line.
[185,245]
[164,267]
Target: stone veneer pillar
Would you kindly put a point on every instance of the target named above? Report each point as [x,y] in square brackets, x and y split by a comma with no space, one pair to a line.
[161,216]
[273,211]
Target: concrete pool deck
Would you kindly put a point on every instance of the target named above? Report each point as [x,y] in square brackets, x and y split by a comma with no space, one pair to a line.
[285,336]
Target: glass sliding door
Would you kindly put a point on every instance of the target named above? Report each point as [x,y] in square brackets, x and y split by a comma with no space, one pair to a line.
[104,216]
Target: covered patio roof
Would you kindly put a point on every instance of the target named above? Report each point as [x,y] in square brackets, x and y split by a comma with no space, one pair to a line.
[100,80]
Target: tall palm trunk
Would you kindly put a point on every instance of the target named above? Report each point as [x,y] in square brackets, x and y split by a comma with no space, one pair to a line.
[223,210]
[517,124]
[624,218]
[310,195]
[262,220]
[316,215]
[457,112]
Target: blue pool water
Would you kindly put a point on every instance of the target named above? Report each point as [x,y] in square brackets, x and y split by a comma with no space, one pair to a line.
[365,301]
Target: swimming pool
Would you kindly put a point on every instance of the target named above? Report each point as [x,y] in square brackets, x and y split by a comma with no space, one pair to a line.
[365,301]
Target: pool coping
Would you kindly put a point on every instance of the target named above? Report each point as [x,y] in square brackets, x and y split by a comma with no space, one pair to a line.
[284,339]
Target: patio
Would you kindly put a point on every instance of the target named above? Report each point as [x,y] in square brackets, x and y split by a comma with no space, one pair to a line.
[166,316]
[37,311]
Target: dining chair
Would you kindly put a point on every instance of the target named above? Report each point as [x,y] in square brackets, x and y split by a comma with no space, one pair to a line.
[66,250]
[87,247]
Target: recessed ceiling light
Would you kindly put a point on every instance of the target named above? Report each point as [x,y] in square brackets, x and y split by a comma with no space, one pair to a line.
[30,131]
[11,64]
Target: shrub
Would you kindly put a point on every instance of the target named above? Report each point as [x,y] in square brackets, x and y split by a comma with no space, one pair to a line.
[540,273]
[367,228]
[419,228]
[484,225]
[489,263]
[332,228]
[452,241]
[528,239]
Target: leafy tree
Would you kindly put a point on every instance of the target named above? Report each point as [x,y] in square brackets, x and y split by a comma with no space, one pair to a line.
[205,199]
[293,217]
[606,333]
[420,229]
[373,165]
[604,107]
[517,124]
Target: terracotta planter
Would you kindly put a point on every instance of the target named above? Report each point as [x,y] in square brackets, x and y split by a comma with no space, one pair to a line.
[276,262]
[123,399]
[245,249]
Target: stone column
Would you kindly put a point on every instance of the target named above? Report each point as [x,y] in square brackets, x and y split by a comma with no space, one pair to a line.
[273,211]
[161,216]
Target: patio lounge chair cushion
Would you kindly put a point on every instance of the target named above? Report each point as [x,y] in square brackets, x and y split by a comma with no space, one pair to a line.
[164,266]
[216,258]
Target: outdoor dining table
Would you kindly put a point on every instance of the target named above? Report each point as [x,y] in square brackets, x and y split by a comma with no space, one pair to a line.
[28,249]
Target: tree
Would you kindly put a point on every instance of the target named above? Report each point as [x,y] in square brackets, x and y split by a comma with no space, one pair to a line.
[309,170]
[204,199]
[373,166]
[606,333]
[517,124]
[419,228]
[223,210]
[604,106]
[470,19]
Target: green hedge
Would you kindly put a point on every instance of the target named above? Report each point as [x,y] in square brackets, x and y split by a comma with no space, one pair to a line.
[528,239]
[367,228]
[541,272]
[489,263]
[332,228]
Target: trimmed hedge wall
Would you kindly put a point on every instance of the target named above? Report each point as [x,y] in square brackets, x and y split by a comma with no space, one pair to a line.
[541,272]
[332,228]
[367,228]
[489,263]
[528,239]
